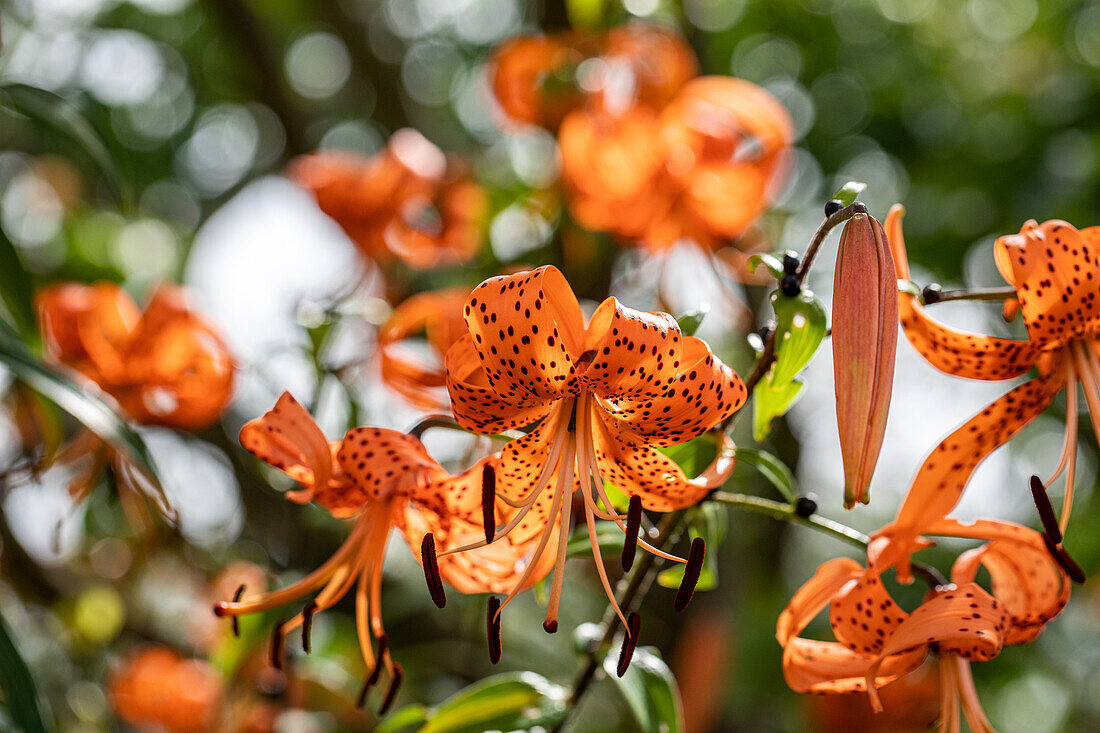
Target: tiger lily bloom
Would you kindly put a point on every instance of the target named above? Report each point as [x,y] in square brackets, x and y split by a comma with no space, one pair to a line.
[439,315]
[703,168]
[1055,272]
[164,366]
[385,480]
[602,398]
[408,201]
[878,642]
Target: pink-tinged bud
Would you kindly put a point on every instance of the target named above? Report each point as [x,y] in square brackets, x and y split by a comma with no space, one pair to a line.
[865,337]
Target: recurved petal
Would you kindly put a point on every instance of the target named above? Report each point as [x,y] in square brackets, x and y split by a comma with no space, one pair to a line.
[704,393]
[946,471]
[864,615]
[528,465]
[636,468]
[814,595]
[439,315]
[633,354]
[475,403]
[963,354]
[287,438]
[528,330]
[827,667]
[380,462]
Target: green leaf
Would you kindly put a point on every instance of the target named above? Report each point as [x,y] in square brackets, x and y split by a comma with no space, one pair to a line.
[800,327]
[406,717]
[693,456]
[505,701]
[709,521]
[23,702]
[771,468]
[63,116]
[773,263]
[83,404]
[849,192]
[609,536]
[17,290]
[650,691]
[769,402]
[910,288]
[689,322]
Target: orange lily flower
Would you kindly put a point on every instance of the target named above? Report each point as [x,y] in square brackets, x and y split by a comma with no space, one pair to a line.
[439,315]
[157,688]
[1053,267]
[705,168]
[602,398]
[386,480]
[164,366]
[878,642]
[408,201]
[535,78]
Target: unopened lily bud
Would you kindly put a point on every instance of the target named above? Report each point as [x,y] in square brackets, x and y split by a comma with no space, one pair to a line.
[865,335]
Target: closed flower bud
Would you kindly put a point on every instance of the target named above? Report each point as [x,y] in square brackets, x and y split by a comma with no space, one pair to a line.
[865,334]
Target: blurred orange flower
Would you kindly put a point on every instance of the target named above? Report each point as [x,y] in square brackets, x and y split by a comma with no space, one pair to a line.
[156,689]
[164,366]
[603,396]
[703,168]
[539,79]
[408,201]
[439,315]
[386,480]
[1053,268]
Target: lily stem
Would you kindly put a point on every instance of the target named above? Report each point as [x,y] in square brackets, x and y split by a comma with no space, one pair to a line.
[823,231]
[786,512]
[975,294]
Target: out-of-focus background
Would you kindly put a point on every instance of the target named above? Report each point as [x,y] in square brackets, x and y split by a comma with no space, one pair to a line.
[976,114]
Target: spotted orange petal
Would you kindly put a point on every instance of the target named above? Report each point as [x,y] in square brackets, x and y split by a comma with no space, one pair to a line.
[287,438]
[523,462]
[528,330]
[704,393]
[864,615]
[946,471]
[969,355]
[380,462]
[633,354]
[475,403]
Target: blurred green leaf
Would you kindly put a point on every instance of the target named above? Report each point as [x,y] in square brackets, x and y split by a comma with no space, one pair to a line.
[849,192]
[585,13]
[64,117]
[773,263]
[709,521]
[650,691]
[17,290]
[609,536]
[769,402]
[800,328]
[406,717]
[695,455]
[506,701]
[689,322]
[22,698]
[84,405]
[771,468]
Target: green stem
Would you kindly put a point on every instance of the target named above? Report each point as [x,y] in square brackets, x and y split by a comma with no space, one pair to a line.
[786,513]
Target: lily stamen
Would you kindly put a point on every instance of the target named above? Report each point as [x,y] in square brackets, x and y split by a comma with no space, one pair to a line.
[633,524]
[431,571]
[691,574]
[488,497]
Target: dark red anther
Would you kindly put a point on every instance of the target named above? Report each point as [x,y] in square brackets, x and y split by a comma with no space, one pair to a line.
[488,502]
[691,574]
[550,627]
[307,623]
[492,622]
[630,642]
[1046,510]
[431,571]
[383,651]
[236,622]
[277,645]
[1067,563]
[391,693]
[633,523]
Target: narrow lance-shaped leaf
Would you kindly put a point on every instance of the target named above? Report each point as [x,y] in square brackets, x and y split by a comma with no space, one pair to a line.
[650,691]
[506,702]
[80,402]
[865,334]
[23,702]
[17,290]
[800,326]
[772,469]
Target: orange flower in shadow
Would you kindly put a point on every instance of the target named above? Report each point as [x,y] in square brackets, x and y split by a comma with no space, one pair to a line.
[704,168]
[158,689]
[385,480]
[1055,272]
[439,315]
[877,642]
[603,398]
[407,202]
[539,79]
[164,366]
